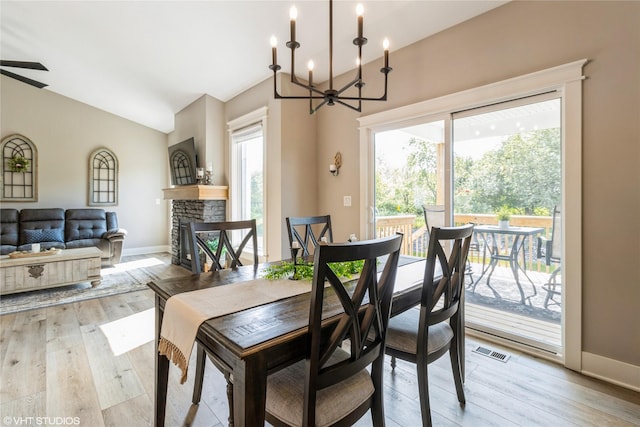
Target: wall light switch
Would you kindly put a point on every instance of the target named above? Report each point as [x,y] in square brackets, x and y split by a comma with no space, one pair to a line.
[157,201]
[347,200]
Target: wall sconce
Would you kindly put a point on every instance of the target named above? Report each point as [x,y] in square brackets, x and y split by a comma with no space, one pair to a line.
[334,167]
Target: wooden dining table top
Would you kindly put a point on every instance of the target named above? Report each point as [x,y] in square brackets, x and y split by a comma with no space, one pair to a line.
[253,326]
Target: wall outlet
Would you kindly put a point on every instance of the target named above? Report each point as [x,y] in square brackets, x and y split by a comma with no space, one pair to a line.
[157,201]
[347,200]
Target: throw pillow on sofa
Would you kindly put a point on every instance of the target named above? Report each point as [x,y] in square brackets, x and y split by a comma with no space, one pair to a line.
[43,235]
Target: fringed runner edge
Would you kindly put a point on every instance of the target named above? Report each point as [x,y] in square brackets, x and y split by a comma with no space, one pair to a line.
[173,353]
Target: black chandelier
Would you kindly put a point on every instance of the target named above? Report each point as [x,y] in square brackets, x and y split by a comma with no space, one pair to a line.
[329,96]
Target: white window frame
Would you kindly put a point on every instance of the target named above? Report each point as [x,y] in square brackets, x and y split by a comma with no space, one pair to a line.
[258,116]
[567,81]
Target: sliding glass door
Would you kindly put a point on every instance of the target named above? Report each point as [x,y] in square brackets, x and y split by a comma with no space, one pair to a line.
[480,166]
[507,179]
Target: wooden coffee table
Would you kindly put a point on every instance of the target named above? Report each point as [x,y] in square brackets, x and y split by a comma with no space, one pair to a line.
[66,267]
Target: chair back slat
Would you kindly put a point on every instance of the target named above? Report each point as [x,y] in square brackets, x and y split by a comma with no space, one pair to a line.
[200,233]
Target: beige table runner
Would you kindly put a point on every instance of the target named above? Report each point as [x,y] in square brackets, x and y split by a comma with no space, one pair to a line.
[185,312]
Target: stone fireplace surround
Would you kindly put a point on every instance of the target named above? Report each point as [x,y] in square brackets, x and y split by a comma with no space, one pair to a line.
[199,203]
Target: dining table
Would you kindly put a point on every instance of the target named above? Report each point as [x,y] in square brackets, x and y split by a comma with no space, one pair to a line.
[255,341]
[511,253]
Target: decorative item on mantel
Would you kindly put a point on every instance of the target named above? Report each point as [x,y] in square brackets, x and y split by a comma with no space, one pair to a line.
[208,174]
[329,96]
[199,175]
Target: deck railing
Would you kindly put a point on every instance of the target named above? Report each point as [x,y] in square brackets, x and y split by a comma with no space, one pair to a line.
[415,238]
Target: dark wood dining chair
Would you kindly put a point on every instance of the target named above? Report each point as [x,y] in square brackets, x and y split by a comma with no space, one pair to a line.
[308,231]
[332,385]
[551,250]
[215,241]
[423,336]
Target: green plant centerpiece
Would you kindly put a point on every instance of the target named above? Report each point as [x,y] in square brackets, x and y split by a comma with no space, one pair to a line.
[18,163]
[304,270]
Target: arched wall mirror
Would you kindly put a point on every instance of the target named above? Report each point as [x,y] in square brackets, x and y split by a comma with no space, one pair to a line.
[103,178]
[19,169]
[182,162]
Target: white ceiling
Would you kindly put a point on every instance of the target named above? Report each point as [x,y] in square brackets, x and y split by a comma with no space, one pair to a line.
[147,60]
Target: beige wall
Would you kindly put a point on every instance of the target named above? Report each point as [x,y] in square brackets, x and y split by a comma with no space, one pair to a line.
[291,160]
[65,133]
[203,120]
[516,39]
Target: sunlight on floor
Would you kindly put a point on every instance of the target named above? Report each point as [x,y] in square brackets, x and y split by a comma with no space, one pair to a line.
[130,332]
[131,265]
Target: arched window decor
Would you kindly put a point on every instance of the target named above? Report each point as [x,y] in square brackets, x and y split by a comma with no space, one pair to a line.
[103,178]
[19,169]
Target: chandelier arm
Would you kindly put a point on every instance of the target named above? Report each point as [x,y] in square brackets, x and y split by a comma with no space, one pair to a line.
[307,87]
[358,108]
[313,110]
[349,85]
[278,96]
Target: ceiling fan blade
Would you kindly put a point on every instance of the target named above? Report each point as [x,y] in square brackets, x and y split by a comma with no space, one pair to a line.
[24,64]
[23,79]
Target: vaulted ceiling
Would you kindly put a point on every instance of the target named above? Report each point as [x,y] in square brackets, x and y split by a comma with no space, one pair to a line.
[147,60]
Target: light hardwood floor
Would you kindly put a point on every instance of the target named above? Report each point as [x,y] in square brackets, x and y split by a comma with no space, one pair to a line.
[58,362]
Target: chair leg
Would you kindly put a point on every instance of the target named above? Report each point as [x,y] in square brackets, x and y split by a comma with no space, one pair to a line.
[454,355]
[393,362]
[227,376]
[423,388]
[201,359]
[377,406]
[547,298]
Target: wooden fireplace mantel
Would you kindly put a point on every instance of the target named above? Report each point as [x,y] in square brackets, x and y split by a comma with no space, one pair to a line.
[197,192]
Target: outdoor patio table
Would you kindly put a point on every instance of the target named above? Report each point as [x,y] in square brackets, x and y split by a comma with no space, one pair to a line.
[520,234]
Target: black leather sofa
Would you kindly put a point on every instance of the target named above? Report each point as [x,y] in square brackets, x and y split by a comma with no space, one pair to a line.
[62,229]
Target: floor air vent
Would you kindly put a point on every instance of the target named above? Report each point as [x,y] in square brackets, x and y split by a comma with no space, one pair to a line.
[491,353]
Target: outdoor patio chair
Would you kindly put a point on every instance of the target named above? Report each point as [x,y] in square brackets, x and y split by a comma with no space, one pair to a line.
[551,250]
[423,336]
[308,231]
[434,217]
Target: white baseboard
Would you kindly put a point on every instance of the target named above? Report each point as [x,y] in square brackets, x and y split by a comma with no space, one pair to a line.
[610,370]
[146,250]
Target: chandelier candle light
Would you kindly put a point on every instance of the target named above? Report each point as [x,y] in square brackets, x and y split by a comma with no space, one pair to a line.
[329,96]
